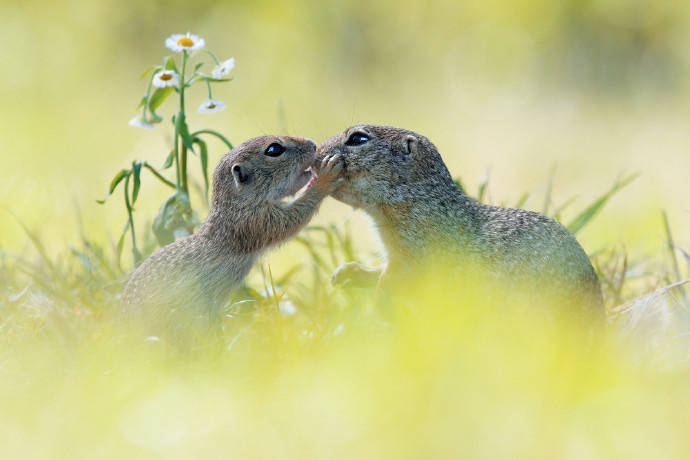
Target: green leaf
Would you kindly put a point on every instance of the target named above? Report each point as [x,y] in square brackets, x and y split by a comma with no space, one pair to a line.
[222,138]
[183,131]
[117,179]
[146,72]
[169,63]
[198,66]
[158,175]
[582,219]
[128,205]
[136,172]
[203,156]
[169,161]
[158,96]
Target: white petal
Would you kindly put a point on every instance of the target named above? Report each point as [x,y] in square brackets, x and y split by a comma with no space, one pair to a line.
[172,42]
[211,106]
[223,69]
[137,122]
[159,82]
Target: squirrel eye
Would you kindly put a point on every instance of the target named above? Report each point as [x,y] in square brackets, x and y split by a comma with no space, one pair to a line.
[274,150]
[357,139]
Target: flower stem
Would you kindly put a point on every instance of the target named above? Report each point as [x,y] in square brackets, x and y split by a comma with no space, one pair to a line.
[177,157]
[183,168]
[213,56]
[135,251]
[208,84]
[182,181]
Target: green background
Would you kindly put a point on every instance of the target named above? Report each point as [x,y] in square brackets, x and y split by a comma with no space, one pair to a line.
[584,90]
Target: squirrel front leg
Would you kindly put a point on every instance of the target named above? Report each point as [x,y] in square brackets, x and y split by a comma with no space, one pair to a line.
[290,218]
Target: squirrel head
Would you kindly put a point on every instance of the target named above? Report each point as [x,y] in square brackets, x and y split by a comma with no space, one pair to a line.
[384,165]
[263,169]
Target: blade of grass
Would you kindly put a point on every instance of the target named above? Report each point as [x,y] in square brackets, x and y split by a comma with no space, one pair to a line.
[36,242]
[549,190]
[557,212]
[327,232]
[671,246]
[586,216]
[522,200]
[483,185]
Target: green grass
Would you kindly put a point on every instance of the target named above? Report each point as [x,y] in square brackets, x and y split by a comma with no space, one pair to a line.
[301,369]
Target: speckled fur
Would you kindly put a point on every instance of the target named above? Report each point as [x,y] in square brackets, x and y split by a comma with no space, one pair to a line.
[198,273]
[423,217]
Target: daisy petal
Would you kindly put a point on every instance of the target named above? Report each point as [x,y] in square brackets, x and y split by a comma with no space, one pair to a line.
[184,42]
[211,106]
[137,122]
[165,78]
[223,69]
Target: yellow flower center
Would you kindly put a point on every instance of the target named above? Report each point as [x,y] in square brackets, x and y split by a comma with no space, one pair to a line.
[185,41]
[211,105]
[166,76]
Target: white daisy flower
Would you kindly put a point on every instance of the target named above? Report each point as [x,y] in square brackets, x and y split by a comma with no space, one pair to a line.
[139,122]
[184,42]
[165,78]
[223,69]
[211,106]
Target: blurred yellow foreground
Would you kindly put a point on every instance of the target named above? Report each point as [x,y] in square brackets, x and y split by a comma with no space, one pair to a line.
[447,378]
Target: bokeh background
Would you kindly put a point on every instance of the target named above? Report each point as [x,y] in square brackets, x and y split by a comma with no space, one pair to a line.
[574,92]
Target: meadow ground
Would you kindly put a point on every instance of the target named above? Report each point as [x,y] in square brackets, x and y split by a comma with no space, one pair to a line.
[300,369]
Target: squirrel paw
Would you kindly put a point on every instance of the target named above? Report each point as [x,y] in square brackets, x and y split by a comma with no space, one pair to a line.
[352,274]
[329,170]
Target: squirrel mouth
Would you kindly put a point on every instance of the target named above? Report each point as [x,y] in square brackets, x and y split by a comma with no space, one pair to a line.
[302,183]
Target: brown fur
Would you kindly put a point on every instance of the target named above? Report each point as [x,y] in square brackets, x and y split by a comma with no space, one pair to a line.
[425,220]
[197,274]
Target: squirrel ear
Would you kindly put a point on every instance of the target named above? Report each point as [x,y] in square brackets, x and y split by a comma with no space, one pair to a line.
[411,144]
[241,175]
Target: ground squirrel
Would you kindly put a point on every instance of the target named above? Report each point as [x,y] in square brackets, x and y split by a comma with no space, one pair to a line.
[425,219]
[250,211]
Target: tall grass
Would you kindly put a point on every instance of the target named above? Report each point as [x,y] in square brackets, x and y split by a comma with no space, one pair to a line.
[300,369]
